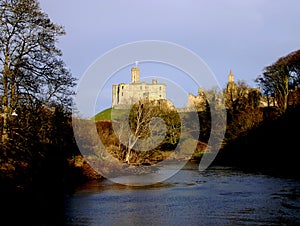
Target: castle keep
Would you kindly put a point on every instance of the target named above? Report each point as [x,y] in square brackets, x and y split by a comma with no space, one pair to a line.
[124,95]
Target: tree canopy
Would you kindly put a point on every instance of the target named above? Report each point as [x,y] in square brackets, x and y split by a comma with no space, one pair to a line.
[280,77]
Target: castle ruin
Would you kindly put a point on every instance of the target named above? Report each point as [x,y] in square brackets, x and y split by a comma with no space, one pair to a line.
[124,95]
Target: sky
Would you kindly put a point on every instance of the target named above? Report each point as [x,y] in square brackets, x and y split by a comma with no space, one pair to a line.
[244,36]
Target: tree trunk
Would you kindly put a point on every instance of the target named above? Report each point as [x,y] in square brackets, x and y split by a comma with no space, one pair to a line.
[131,143]
[127,158]
[5,102]
[5,125]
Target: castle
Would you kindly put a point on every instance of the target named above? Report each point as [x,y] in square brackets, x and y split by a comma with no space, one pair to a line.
[124,95]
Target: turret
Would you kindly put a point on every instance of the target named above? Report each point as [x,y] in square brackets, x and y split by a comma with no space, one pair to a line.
[230,77]
[231,89]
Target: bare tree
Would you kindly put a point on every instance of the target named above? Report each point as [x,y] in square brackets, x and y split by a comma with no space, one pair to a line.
[31,67]
[147,126]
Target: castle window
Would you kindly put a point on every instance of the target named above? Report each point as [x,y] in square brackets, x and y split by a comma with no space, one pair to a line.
[141,87]
[160,88]
[122,93]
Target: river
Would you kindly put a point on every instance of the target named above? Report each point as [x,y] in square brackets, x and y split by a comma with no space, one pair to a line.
[217,196]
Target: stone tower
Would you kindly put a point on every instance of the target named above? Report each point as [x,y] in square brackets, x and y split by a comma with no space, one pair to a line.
[135,73]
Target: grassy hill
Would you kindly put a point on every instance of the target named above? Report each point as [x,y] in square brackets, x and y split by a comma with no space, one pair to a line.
[103,115]
[106,114]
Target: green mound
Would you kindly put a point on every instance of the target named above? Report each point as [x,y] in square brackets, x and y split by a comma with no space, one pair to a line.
[106,114]
[103,115]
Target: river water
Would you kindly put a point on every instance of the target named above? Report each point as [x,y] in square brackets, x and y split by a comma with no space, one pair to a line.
[217,196]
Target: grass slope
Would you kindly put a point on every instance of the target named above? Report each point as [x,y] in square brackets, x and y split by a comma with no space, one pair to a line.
[103,115]
[106,114]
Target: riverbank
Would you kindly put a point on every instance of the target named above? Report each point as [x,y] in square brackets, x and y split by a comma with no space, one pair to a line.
[272,148]
[63,174]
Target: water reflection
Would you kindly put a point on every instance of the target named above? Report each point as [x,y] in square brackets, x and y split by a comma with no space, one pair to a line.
[216,196]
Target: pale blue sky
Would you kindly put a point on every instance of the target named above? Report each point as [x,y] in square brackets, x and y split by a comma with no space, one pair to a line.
[244,36]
